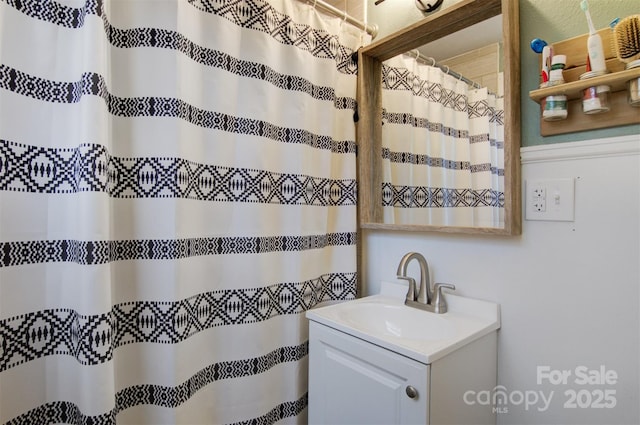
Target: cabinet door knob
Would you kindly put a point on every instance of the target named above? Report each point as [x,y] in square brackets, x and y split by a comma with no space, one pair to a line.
[411,392]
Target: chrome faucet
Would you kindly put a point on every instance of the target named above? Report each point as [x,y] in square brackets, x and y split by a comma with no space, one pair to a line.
[422,297]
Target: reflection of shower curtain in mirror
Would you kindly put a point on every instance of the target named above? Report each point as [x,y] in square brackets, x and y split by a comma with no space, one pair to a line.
[442,148]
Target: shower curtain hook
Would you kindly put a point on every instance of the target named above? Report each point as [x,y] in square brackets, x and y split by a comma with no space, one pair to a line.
[433,61]
[448,69]
[314,4]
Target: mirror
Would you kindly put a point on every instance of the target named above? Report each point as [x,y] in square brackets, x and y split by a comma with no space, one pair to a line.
[370,108]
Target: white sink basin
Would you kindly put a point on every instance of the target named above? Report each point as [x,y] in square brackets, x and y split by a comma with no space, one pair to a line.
[396,321]
[418,334]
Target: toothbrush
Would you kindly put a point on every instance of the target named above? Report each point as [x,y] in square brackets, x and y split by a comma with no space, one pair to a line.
[594,43]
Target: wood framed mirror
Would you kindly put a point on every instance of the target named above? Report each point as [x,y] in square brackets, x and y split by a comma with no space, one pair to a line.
[369,129]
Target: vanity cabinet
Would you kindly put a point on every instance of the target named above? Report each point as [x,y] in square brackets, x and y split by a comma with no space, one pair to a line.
[353,381]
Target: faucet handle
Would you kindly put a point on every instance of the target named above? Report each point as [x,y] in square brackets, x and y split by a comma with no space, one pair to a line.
[437,286]
[411,293]
[440,305]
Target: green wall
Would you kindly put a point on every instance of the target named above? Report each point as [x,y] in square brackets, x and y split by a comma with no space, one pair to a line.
[550,20]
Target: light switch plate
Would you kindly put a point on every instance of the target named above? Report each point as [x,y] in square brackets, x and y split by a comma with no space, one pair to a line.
[550,199]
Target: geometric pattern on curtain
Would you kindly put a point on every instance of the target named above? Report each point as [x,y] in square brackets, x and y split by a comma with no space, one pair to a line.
[177,187]
[91,168]
[443,148]
[92,339]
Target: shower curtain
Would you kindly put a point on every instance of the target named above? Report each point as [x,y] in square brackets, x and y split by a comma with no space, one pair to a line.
[442,148]
[177,187]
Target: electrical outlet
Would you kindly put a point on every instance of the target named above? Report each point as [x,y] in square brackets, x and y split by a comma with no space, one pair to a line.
[538,198]
[551,200]
[539,192]
[539,205]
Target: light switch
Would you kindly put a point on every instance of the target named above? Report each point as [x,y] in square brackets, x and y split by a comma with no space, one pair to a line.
[550,199]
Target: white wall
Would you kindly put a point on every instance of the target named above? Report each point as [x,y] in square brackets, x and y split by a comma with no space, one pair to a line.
[569,291]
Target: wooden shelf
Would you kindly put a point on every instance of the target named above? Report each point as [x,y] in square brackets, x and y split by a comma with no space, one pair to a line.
[573,90]
[620,113]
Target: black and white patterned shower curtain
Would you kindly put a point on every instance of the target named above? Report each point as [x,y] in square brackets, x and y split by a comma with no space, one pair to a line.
[177,186]
[442,148]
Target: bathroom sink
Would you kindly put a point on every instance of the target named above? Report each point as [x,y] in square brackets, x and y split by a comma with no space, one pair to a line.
[384,320]
[396,321]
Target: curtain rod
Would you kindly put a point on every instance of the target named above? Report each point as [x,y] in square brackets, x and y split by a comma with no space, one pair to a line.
[448,70]
[370,29]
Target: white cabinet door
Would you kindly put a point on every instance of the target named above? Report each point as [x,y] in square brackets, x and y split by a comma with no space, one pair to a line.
[352,381]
